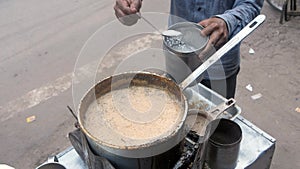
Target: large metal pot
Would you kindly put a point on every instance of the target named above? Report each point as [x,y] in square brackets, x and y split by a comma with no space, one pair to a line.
[120,81]
[160,153]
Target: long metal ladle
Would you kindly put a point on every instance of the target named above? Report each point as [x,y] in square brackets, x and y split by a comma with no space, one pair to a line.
[167,33]
[223,50]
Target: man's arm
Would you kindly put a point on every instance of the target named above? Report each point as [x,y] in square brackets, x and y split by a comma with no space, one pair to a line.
[243,12]
[221,27]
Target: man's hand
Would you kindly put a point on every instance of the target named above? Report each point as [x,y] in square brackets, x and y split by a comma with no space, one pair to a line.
[217,30]
[126,10]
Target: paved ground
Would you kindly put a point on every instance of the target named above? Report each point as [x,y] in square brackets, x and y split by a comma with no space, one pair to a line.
[274,72]
[40,42]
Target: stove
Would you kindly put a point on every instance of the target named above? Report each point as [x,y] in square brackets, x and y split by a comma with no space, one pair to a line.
[180,157]
[256,150]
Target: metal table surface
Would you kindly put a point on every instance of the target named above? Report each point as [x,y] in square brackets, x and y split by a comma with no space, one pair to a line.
[256,149]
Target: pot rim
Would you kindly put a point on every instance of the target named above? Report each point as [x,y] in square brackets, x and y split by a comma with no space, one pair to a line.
[108,146]
[185,24]
[237,141]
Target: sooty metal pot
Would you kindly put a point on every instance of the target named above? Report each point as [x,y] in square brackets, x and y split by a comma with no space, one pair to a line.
[157,152]
[223,145]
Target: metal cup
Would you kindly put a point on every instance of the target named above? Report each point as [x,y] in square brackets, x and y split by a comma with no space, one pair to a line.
[223,144]
[180,62]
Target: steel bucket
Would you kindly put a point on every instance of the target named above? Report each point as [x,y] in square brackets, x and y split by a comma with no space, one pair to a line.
[189,56]
[223,144]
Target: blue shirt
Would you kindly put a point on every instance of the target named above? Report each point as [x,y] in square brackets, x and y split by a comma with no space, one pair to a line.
[236,14]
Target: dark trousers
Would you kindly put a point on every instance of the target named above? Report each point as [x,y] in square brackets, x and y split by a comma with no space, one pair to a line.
[225,87]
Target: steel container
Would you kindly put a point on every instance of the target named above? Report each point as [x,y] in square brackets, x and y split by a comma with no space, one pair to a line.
[180,62]
[223,144]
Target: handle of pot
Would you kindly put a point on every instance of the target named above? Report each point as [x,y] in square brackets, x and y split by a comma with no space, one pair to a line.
[52,162]
[76,118]
[217,111]
[76,140]
[223,50]
[52,159]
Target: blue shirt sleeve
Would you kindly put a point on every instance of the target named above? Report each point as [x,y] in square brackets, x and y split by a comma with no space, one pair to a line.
[242,12]
[236,13]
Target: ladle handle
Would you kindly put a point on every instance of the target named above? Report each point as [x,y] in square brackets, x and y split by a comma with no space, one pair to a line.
[148,22]
[223,50]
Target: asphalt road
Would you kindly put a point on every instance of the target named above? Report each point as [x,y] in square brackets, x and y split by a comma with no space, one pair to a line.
[40,42]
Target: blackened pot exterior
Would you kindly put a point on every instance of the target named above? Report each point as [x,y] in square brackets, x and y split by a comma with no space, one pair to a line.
[140,155]
[180,63]
[224,144]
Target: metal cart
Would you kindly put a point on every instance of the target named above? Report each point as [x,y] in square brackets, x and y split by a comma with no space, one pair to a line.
[289,9]
[256,151]
[256,148]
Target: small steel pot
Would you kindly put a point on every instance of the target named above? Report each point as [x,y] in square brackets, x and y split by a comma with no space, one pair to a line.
[189,56]
[205,117]
[223,144]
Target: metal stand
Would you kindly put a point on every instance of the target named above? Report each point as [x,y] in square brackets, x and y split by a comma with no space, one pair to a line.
[289,9]
[256,151]
[256,148]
